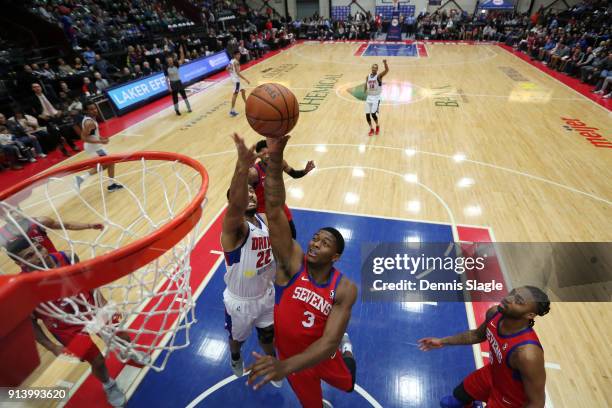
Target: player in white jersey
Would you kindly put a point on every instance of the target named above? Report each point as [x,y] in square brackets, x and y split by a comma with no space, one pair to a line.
[373,89]
[249,295]
[234,71]
[94,146]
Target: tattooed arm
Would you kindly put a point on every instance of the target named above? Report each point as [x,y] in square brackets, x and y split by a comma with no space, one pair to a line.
[287,252]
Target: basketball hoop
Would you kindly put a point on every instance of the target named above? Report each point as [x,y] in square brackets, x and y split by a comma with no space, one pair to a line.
[137,267]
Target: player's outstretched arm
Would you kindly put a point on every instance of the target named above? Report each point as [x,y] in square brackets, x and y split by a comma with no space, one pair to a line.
[287,252]
[43,340]
[271,369]
[298,173]
[467,337]
[529,360]
[234,228]
[69,225]
[385,72]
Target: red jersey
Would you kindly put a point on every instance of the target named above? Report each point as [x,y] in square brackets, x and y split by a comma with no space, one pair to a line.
[259,192]
[35,233]
[66,305]
[503,377]
[301,310]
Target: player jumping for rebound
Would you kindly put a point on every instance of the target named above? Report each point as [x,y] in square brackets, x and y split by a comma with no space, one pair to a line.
[313,303]
[249,295]
[515,376]
[234,71]
[373,89]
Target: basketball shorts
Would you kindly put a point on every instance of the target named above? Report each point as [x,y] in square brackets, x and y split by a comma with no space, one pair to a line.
[242,315]
[95,150]
[372,104]
[77,343]
[479,385]
[307,383]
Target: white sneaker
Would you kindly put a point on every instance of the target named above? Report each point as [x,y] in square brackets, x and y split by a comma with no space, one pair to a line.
[114,395]
[346,345]
[237,366]
[137,357]
[327,404]
[608,96]
[78,180]
[277,384]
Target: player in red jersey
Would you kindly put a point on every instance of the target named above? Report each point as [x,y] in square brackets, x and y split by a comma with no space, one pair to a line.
[73,339]
[36,231]
[515,376]
[257,176]
[313,303]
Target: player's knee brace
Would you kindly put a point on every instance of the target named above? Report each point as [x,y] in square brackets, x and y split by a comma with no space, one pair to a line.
[368,118]
[375,117]
[265,335]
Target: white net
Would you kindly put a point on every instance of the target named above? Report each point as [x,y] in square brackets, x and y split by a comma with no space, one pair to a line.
[143,316]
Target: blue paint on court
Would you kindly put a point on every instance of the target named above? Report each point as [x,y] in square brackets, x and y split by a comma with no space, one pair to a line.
[389,365]
[391,50]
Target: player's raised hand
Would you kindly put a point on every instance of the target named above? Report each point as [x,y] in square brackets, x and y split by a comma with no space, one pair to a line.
[430,343]
[277,144]
[246,156]
[96,226]
[267,367]
[309,166]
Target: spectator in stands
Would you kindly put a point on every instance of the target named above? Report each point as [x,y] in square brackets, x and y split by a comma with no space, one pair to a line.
[604,71]
[28,147]
[146,68]
[100,83]
[137,71]
[88,89]
[606,88]
[586,60]
[126,75]
[43,106]
[31,126]
[63,68]
[89,56]
[157,65]
[245,55]
[10,150]
[104,67]
[78,65]
[561,54]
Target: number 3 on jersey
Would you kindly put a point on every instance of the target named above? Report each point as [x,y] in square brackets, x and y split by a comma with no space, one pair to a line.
[310,318]
[263,258]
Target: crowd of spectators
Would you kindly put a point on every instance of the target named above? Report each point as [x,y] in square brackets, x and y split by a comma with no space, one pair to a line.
[118,41]
[109,23]
[579,45]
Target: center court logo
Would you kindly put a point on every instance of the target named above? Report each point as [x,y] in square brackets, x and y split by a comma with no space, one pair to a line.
[393,92]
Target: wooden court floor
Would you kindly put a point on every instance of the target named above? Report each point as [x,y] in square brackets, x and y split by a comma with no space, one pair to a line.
[470,135]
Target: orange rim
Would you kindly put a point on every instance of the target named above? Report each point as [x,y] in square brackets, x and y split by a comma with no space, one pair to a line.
[21,293]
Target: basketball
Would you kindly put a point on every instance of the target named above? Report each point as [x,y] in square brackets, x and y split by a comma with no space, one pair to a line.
[272,110]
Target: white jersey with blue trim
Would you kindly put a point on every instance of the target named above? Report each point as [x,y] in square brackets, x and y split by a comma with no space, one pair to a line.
[233,71]
[251,266]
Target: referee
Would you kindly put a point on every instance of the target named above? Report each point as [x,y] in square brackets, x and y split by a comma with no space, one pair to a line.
[174,81]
